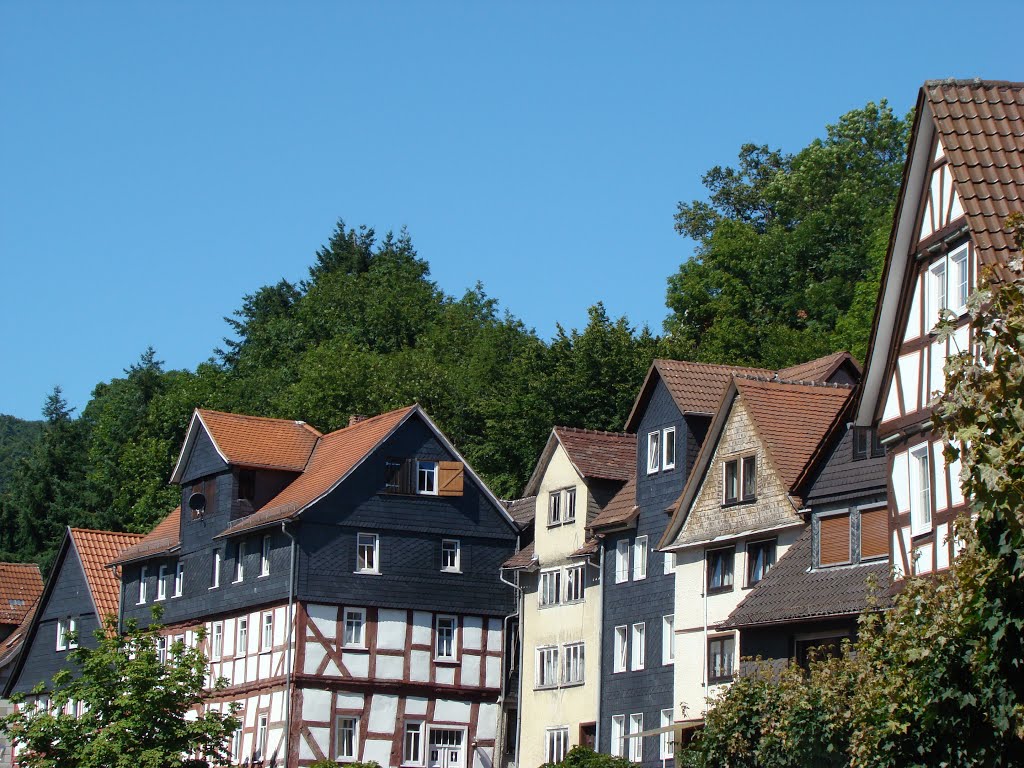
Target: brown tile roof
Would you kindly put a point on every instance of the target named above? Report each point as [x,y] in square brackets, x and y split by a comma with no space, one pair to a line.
[21,584]
[524,558]
[333,457]
[603,455]
[96,549]
[620,510]
[817,370]
[791,591]
[590,547]
[522,510]
[254,441]
[12,643]
[166,536]
[981,127]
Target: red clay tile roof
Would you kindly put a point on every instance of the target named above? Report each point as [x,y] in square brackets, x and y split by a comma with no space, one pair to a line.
[524,558]
[817,370]
[602,455]
[622,508]
[254,441]
[522,510]
[981,127]
[333,457]
[165,537]
[21,584]
[12,643]
[96,549]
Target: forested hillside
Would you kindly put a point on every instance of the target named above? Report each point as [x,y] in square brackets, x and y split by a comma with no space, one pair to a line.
[788,254]
[17,437]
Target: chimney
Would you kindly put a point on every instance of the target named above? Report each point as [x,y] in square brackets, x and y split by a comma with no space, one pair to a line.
[355,418]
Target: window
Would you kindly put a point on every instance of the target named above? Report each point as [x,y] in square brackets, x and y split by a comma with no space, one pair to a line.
[426,477]
[730,482]
[64,626]
[670,562]
[667,741]
[959,280]
[720,659]
[217,641]
[622,561]
[937,292]
[636,744]
[215,570]
[620,649]
[668,639]
[640,558]
[550,590]
[445,650]
[668,448]
[246,485]
[570,505]
[143,576]
[834,539]
[261,737]
[639,648]
[719,565]
[161,650]
[265,557]
[749,478]
[446,748]
[760,559]
[239,561]
[948,285]
[268,631]
[547,667]
[865,443]
[367,550]
[179,579]
[347,738]
[412,744]
[355,623]
[874,533]
[236,740]
[618,732]
[555,508]
[556,745]
[920,491]
[451,555]
[572,666]
[161,583]
[574,583]
[243,636]
[653,451]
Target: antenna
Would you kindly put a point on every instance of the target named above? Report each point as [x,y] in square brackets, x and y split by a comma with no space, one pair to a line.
[197,503]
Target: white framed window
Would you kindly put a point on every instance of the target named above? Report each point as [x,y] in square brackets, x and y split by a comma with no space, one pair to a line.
[947,285]
[179,579]
[367,553]
[668,448]
[574,576]
[261,737]
[959,279]
[636,744]
[267,636]
[216,640]
[555,508]
[670,562]
[640,558]
[239,561]
[653,452]
[573,664]
[936,292]
[347,738]
[920,491]
[236,740]
[446,747]
[667,741]
[215,569]
[550,587]
[62,634]
[668,639]
[451,555]
[547,667]
[556,744]
[243,636]
[570,505]
[622,561]
[621,649]
[412,743]
[444,649]
[355,627]
[618,733]
[639,643]
[161,583]
[426,477]
[161,650]
[143,578]
[265,557]
[72,635]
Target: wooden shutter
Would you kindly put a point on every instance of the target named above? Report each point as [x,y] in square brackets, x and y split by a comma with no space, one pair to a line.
[834,540]
[449,478]
[874,533]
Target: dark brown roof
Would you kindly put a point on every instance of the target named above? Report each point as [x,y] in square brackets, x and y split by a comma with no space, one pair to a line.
[819,369]
[981,127]
[165,537]
[622,508]
[522,510]
[602,455]
[254,441]
[590,547]
[791,591]
[21,584]
[96,549]
[524,558]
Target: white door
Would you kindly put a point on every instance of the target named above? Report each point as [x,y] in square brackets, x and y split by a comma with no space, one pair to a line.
[445,748]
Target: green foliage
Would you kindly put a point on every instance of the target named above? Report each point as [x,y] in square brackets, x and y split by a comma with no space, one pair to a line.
[17,437]
[134,712]
[584,757]
[357,764]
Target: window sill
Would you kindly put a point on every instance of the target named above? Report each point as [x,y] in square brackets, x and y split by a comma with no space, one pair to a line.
[739,502]
[263,576]
[720,681]
[446,661]
[215,586]
[574,684]
[366,573]
[355,648]
[237,581]
[451,570]
[719,590]
[552,687]
[667,467]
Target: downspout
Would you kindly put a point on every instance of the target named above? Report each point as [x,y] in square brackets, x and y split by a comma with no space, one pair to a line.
[704,671]
[600,639]
[519,675]
[288,651]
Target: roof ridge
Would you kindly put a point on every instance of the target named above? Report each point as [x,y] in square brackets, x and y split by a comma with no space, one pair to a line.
[795,382]
[974,81]
[585,431]
[364,422]
[234,415]
[728,366]
[98,530]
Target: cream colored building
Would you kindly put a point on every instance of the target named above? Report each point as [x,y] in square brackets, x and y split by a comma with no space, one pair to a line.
[560,605]
[740,511]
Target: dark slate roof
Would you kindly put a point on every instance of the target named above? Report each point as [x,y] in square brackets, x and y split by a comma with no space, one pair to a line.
[792,591]
[600,455]
[522,510]
[841,477]
[524,558]
[620,510]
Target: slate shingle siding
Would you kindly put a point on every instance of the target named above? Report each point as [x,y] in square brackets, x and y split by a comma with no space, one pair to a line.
[842,478]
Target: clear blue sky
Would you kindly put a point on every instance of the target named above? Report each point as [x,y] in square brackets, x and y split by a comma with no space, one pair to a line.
[160,160]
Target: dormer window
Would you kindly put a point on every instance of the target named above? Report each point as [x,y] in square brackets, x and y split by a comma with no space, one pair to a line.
[866,443]
[555,508]
[246,485]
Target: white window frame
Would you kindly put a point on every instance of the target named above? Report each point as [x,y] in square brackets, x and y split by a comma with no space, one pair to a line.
[451,624]
[242,641]
[668,639]
[653,452]
[265,556]
[72,636]
[356,618]
[547,672]
[666,740]
[919,475]
[622,561]
[266,631]
[161,583]
[239,562]
[666,462]
[367,542]
[352,754]
[669,563]
[554,508]
[217,641]
[638,649]
[575,583]
[179,579]
[161,649]
[618,733]
[423,472]
[640,558]
[413,756]
[262,727]
[549,587]
[574,664]
[215,576]
[569,512]
[62,634]
[556,744]
[621,648]
[959,277]
[636,744]
[143,575]
[451,547]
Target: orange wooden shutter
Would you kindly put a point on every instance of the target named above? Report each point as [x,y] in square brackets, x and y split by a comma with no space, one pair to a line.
[449,478]
[834,541]
[874,533]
